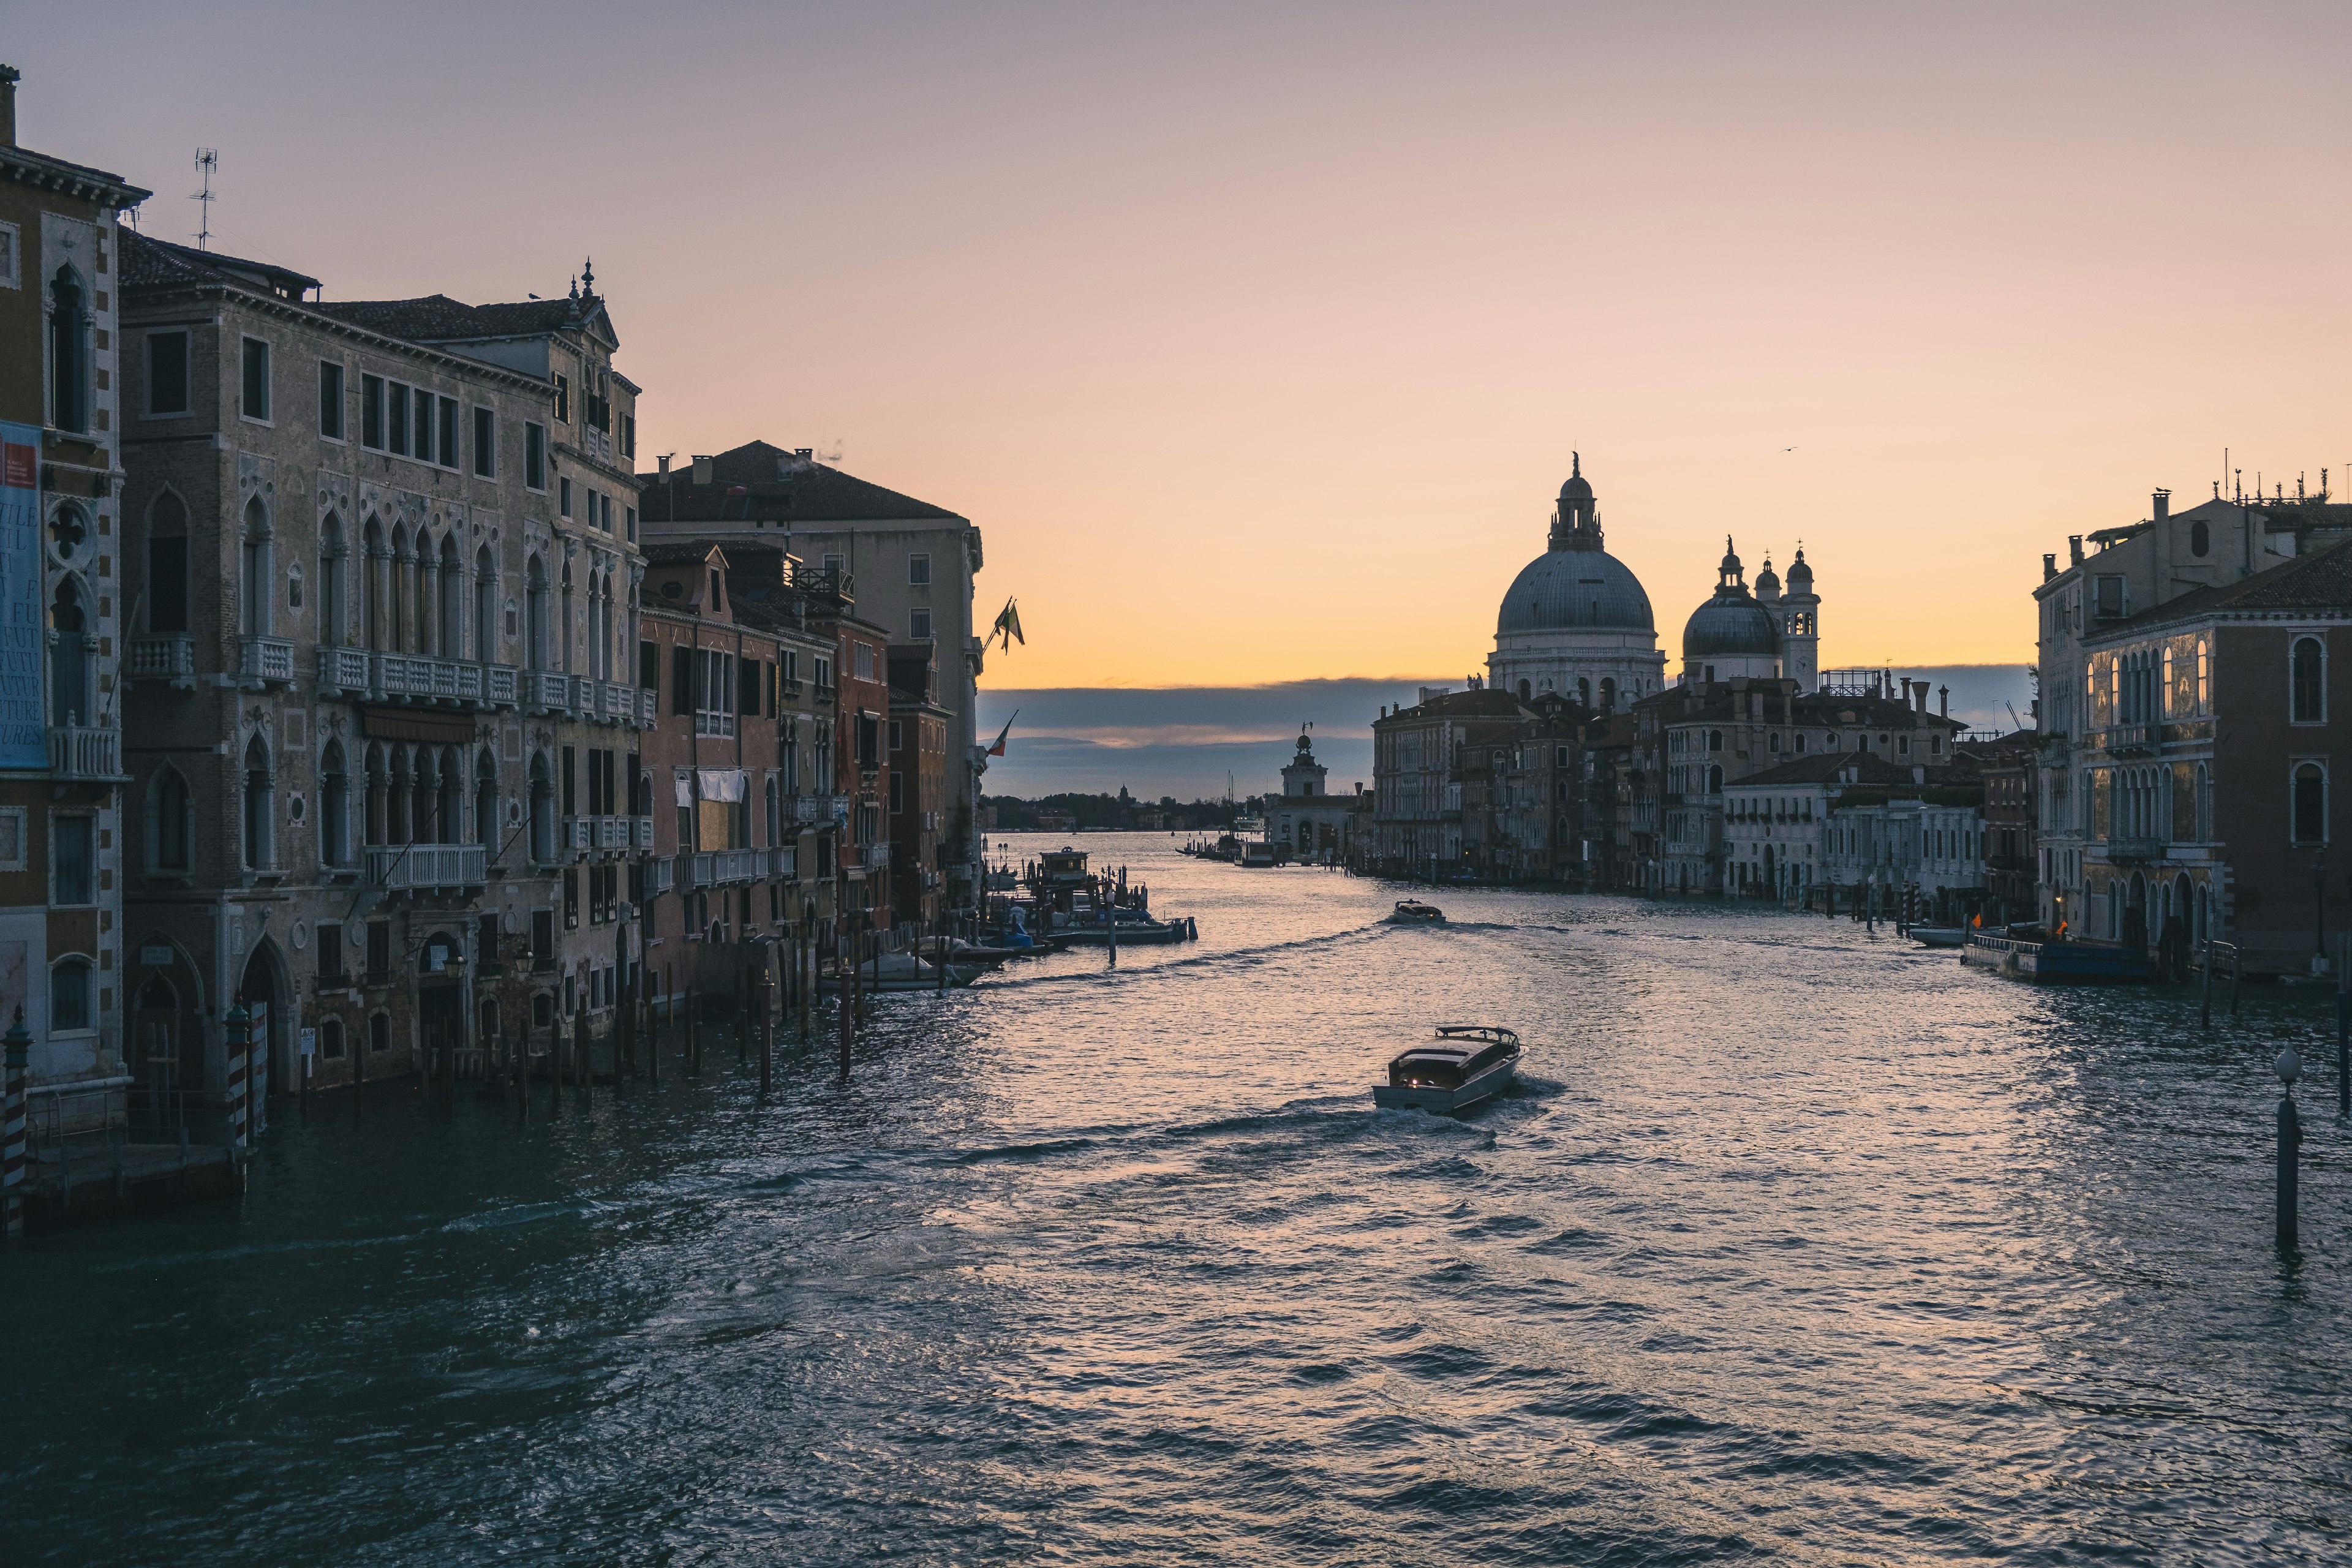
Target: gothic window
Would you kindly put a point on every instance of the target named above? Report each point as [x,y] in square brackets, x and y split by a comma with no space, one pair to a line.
[376,584]
[254,575]
[2307,677]
[486,606]
[535,598]
[69,995]
[334,807]
[170,819]
[167,565]
[69,353]
[259,808]
[332,614]
[2310,804]
[70,674]
[486,799]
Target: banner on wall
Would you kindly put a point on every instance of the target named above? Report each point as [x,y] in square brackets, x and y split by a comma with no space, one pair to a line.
[24,742]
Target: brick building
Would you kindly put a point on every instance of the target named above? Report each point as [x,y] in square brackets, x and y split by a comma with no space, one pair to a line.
[62,957]
[922,732]
[382,561]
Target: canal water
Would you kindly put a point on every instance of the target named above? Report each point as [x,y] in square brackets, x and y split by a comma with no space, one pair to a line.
[1793,1245]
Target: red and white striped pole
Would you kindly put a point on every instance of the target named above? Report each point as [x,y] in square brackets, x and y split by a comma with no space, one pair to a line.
[12,1132]
[236,1041]
[257,1072]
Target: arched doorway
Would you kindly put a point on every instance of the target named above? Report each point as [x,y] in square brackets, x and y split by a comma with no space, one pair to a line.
[262,989]
[2135,933]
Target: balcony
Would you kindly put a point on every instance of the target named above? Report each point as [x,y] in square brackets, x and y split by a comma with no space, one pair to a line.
[575,834]
[615,832]
[547,691]
[2135,851]
[875,857]
[640,832]
[342,670]
[268,661]
[660,877]
[84,752]
[2130,740]
[784,860]
[171,658]
[648,708]
[423,866]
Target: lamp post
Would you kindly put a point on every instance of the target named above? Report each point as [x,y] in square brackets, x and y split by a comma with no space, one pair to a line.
[2319,914]
[2289,1067]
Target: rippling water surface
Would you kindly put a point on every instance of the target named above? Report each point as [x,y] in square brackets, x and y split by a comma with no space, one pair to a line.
[1791,1245]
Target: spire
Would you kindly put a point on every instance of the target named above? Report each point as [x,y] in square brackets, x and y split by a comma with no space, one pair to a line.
[1575,523]
[1729,580]
[588,275]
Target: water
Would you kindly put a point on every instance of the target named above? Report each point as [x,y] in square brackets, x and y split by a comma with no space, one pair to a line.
[1793,1245]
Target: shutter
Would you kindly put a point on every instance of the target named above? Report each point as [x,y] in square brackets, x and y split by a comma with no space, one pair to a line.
[649,667]
[747,685]
[681,680]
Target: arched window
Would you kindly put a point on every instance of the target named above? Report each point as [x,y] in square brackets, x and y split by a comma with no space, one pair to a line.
[400,595]
[255,578]
[1525,691]
[69,995]
[542,811]
[564,626]
[776,814]
[453,601]
[2310,804]
[1584,691]
[376,805]
[69,664]
[451,828]
[260,808]
[70,352]
[330,1038]
[2200,538]
[1714,737]
[2204,678]
[334,807]
[2308,681]
[1715,780]
[2204,804]
[486,606]
[535,624]
[169,821]
[376,586]
[333,613]
[486,799]
[167,565]
[379,1032]
[1608,694]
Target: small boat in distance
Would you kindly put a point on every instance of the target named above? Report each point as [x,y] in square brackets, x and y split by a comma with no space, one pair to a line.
[1465,1064]
[1941,936]
[1413,912]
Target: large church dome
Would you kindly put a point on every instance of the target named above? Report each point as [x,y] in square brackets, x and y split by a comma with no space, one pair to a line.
[1570,590]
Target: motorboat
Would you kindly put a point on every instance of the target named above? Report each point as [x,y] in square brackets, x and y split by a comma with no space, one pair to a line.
[1941,936]
[1463,1064]
[1413,912]
[1130,931]
[899,971]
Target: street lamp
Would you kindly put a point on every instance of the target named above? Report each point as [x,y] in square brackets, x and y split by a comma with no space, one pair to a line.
[2320,913]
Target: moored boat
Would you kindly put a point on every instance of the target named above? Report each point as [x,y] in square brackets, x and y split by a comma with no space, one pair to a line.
[1465,1064]
[1413,912]
[2043,962]
[1939,936]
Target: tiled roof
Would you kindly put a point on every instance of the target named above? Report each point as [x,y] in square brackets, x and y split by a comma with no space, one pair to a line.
[1488,702]
[679,551]
[757,480]
[2320,580]
[437,318]
[79,180]
[145,261]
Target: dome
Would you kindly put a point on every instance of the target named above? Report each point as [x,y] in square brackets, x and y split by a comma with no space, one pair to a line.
[1575,590]
[1730,625]
[1767,583]
[1578,487]
[1801,573]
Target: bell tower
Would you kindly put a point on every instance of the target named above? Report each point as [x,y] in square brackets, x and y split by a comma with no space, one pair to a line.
[1800,613]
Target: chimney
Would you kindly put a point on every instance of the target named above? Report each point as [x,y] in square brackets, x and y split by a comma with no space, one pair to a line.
[1922,703]
[8,106]
[2163,505]
[664,463]
[2049,564]
[1907,691]
[702,469]
[1943,701]
[805,454]
[2074,549]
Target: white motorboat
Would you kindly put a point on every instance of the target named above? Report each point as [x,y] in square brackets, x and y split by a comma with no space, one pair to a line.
[1465,1064]
[1413,912]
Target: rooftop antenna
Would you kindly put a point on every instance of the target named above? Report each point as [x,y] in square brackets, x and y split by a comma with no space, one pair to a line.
[207,160]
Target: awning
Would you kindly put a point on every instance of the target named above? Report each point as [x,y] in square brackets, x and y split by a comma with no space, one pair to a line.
[407,724]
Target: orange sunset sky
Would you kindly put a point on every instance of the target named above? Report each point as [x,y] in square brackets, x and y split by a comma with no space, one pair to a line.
[1257,337]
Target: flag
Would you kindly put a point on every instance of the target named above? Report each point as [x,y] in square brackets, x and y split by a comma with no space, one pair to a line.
[998,750]
[1008,626]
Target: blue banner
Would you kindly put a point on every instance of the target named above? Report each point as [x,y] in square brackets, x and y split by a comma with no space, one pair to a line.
[24,741]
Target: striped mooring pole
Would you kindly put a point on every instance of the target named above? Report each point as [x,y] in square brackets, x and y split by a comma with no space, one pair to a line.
[12,1136]
[236,1039]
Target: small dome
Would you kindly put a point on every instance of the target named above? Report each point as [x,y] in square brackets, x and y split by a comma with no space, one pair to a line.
[1574,590]
[1730,565]
[1577,487]
[1730,625]
[1766,581]
[1799,572]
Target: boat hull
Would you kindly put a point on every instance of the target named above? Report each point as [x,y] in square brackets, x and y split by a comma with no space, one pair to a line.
[1486,1085]
[2061,962]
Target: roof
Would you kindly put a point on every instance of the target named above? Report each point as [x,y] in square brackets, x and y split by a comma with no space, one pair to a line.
[679,551]
[1488,702]
[145,261]
[78,181]
[1574,589]
[1827,768]
[757,480]
[2320,580]
[437,318]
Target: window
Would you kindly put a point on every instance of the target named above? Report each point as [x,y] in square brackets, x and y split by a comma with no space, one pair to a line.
[330,937]
[167,374]
[2310,805]
[167,565]
[649,667]
[424,429]
[69,995]
[485,444]
[170,820]
[563,496]
[918,623]
[2307,682]
[330,1038]
[254,404]
[918,570]
[448,432]
[72,674]
[898,736]
[534,457]
[2108,599]
[824,672]
[331,400]
[897,791]
[2200,538]
[70,352]
[379,1033]
[748,681]
[259,808]
[563,400]
[379,950]
[395,397]
[629,438]
[12,271]
[73,878]
[864,652]
[633,522]
[371,413]
[869,740]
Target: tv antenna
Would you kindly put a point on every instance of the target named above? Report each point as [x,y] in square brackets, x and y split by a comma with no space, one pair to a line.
[207,160]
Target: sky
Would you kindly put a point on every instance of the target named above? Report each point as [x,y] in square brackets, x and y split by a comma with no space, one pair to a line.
[1257,338]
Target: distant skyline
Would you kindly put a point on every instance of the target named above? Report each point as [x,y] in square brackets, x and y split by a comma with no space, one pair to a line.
[1256,339]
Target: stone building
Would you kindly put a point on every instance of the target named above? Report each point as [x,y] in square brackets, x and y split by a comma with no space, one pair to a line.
[921,736]
[2190,727]
[382,583]
[62,955]
[909,566]
[2005,765]
[743,832]
[1315,823]
[1420,755]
